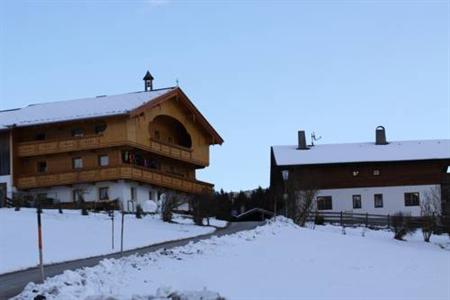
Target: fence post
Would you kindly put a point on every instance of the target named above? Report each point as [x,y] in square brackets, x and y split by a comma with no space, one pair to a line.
[121,233]
[367,220]
[41,260]
[341,219]
[389,221]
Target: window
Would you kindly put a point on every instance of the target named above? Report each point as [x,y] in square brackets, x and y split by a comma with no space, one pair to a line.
[376,172]
[99,128]
[412,199]
[378,200]
[103,160]
[40,136]
[157,135]
[355,173]
[77,163]
[324,202]
[77,132]
[42,166]
[356,201]
[77,195]
[133,193]
[103,193]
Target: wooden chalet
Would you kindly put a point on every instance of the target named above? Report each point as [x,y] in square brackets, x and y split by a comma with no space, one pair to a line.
[132,147]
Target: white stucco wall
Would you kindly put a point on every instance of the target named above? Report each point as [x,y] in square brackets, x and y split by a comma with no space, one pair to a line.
[393,199]
[117,190]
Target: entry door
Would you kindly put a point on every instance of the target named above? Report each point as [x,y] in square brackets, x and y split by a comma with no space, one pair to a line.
[2,194]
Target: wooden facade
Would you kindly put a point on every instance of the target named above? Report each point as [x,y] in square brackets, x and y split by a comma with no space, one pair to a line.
[162,142]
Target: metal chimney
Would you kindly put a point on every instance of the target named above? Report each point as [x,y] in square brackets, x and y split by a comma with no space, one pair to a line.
[380,136]
[302,140]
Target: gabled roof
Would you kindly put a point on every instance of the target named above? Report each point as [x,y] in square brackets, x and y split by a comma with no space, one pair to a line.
[362,152]
[100,106]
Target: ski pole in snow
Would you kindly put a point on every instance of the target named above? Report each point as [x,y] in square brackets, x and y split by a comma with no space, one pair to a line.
[41,263]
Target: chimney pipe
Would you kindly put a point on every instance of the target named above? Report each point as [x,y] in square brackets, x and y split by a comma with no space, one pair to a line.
[302,140]
[380,136]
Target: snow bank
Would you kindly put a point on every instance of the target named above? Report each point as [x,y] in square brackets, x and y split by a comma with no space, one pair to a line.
[275,261]
[70,235]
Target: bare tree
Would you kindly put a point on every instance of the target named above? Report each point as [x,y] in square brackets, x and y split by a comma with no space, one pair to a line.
[401,226]
[430,209]
[301,204]
[169,202]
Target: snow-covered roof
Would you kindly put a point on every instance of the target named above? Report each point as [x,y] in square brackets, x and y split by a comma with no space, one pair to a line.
[362,152]
[77,109]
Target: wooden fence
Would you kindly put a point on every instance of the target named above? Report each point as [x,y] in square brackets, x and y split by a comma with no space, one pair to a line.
[349,219]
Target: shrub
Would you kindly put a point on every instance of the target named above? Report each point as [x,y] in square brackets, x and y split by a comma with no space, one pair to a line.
[169,203]
[401,226]
[139,211]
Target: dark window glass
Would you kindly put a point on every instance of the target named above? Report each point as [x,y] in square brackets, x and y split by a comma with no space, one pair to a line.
[99,128]
[76,195]
[103,160]
[412,199]
[103,193]
[77,132]
[133,193]
[4,154]
[77,163]
[356,201]
[40,136]
[378,200]
[42,166]
[324,202]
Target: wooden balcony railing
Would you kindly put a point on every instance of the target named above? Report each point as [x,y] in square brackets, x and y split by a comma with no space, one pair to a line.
[58,146]
[35,148]
[114,173]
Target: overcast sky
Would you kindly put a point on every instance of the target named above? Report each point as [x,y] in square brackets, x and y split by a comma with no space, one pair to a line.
[259,71]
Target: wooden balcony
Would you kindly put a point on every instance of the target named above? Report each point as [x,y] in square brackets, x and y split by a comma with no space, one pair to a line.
[36,148]
[114,173]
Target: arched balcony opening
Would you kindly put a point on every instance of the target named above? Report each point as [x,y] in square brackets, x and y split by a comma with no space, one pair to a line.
[169,130]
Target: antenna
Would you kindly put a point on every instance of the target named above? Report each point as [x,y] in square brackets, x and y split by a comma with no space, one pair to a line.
[177,82]
[314,138]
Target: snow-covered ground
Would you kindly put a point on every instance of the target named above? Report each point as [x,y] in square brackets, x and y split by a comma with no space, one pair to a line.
[70,235]
[275,261]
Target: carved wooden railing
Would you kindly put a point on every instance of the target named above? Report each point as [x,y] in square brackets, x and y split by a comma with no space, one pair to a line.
[35,148]
[114,173]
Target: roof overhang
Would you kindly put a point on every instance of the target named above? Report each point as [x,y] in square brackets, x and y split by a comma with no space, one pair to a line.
[186,102]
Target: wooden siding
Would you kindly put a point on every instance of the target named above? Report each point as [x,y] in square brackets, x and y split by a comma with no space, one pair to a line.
[113,173]
[334,176]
